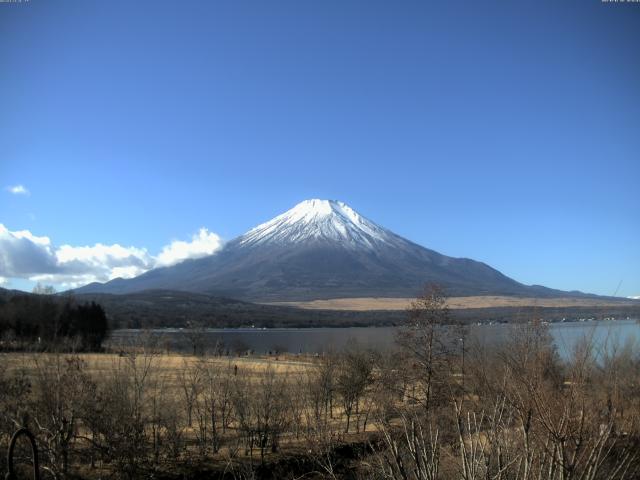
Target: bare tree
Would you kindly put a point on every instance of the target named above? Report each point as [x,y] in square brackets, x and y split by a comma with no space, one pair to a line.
[261,410]
[214,403]
[189,379]
[61,387]
[421,338]
[195,333]
[121,412]
[354,375]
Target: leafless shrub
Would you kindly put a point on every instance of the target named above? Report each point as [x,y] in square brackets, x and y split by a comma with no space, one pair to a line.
[61,389]
[121,412]
[261,410]
[353,377]
[423,342]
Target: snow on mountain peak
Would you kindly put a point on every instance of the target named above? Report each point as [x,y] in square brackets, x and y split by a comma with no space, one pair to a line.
[319,220]
[311,210]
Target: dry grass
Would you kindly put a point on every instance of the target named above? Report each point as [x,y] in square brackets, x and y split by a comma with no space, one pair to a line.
[167,365]
[383,303]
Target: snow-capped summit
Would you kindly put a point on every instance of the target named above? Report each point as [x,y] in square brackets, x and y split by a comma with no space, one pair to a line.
[322,249]
[318,220]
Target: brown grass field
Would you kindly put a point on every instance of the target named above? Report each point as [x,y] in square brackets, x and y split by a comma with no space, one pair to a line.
[383,303]
[167,365]
[167,368]
[158,393]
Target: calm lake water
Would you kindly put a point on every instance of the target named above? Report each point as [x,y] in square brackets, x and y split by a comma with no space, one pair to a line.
[604,334]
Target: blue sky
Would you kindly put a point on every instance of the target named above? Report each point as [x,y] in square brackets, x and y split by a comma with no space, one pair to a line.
[507,132]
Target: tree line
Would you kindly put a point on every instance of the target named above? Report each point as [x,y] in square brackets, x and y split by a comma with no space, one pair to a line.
[43,320]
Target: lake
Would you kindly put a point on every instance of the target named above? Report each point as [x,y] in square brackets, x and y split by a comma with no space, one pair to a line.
[318,340]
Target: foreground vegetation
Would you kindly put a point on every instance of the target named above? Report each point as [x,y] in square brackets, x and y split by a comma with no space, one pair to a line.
[437,408]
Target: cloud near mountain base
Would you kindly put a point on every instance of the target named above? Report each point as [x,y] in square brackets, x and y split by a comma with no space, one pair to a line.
[202,244]
[27,256]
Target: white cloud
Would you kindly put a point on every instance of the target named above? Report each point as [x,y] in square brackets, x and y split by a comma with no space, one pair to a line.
[23,254]
[3,281]
[18,190]
[634,297]
[100,263]
[28,256]
[202,244]
[127,272]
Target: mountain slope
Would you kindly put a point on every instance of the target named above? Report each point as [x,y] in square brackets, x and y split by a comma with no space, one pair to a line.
[323,249]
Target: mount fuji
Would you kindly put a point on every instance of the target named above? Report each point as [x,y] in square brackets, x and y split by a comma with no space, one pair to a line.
[322,249]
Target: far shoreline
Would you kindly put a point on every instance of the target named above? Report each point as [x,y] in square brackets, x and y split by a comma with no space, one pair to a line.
[364,304]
